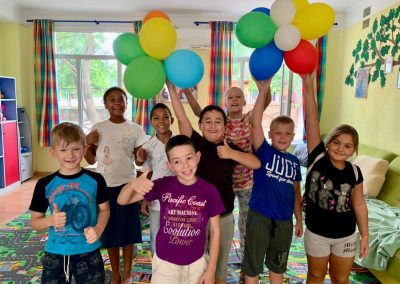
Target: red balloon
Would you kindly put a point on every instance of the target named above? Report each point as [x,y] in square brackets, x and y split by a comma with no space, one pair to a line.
[303,59]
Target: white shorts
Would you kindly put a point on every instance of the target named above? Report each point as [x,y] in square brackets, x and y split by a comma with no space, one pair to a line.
[318,246]
[165,272]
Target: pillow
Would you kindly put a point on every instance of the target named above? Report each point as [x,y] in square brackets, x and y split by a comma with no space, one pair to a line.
[373,171]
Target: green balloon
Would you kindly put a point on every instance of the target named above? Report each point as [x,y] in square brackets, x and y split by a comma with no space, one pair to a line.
[144,77]
[255,29]
[126,47]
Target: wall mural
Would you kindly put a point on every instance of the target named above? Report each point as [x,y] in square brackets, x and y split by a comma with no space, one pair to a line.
[380,45]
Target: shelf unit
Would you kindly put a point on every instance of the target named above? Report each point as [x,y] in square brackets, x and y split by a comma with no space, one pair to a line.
[25,142]
[9,142]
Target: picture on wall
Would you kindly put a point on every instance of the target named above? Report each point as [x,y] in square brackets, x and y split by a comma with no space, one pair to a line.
[398,80]
[362,83]
[164,96]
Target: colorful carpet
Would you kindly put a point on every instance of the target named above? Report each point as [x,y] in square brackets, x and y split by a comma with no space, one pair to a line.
[21,251]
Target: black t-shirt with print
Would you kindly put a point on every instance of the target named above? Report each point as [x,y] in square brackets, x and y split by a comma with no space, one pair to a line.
[329,211]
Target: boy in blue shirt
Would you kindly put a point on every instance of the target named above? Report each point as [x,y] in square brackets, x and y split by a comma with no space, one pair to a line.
[79,212]
[276,194]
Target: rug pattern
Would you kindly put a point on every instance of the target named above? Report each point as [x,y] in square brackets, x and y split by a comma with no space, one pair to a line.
[21,251]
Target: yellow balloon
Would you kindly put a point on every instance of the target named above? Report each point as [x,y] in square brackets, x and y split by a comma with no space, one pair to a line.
[158,38]
[300,4]
[314,20]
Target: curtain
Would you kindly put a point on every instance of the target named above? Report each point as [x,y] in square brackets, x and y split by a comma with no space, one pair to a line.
[141,108]
[320,73]
[221,60]
[45,81]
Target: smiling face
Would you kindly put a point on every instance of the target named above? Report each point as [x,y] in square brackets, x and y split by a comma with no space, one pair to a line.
[212,126]
[235,101]
[281,135]
[69,156]
[340,148]
[183,161]
[115,102]
[161,120]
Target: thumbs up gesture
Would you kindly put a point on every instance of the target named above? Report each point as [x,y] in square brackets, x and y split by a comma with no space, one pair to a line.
[224,151]
[142,184]
[58,219]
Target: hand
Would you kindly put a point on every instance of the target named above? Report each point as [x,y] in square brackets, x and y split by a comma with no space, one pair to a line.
[92,137]
[141,155]
[58,219]
[91,235]
[263,86]
[142,184]
[308,80]
[145,208]
[364,247]
[224,151]
[298,229]
[207,278]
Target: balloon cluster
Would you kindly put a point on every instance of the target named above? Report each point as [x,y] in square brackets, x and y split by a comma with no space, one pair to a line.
[282,33]
[151,58]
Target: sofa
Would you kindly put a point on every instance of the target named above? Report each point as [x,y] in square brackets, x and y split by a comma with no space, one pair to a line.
[390,194]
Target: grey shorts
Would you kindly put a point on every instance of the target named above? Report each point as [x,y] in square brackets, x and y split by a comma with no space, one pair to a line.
[266,241]
[318,246]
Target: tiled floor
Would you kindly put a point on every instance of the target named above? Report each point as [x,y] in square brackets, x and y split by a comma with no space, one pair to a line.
[15,201]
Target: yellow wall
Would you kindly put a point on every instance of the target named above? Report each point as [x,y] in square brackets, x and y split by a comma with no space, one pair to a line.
[377,117]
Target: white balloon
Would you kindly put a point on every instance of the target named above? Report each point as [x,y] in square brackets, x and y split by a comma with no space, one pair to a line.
[282,12]
[287,37]
[313,41]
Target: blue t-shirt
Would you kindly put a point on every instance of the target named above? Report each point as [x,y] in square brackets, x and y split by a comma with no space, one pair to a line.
[76,195]
[273,191]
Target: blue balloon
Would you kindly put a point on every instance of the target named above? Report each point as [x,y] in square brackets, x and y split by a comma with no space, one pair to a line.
[184,68]
[261,9]
[265,61]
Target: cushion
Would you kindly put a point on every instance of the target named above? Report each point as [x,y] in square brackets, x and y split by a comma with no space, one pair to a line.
[373,171]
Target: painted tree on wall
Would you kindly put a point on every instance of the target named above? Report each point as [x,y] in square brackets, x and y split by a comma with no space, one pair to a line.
[382,42]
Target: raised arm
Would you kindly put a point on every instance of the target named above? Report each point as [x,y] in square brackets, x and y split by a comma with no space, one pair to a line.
[311,109]
[185,127]
[263,100]
[196,108]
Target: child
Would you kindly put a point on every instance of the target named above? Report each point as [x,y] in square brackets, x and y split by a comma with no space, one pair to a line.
[113,143]
[153,153]
[216,165]
[276,193]
[79,212]
[334,198]
[188,203]
[238,132]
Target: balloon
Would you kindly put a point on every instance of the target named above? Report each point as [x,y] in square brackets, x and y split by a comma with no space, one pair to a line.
[314,20]
[303,59]
[255,29]
[155,14]
[184,68]
[126,47]
[265,61]
[287,37]
[144,77]
[282,12]
[262,10]
[158,38]
[300,4]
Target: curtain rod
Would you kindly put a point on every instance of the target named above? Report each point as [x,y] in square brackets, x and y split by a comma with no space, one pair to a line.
[88,21]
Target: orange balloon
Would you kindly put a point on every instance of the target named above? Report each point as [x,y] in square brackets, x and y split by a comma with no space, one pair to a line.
[155,14]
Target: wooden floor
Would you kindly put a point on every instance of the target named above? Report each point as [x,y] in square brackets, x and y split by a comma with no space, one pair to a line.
[15,201]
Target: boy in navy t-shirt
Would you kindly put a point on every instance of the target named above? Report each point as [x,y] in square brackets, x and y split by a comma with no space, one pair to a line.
[79,211]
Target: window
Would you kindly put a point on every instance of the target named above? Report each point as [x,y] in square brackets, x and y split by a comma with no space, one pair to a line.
[86,68]
[286,89]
